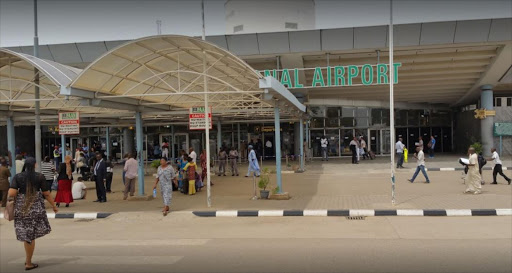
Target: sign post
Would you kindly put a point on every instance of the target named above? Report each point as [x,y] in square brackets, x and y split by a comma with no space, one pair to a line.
[391,103]
[69,123]
[502,129]
[197,119]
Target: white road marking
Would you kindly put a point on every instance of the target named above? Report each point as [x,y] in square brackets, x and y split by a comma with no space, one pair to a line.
[270,213]
[167,242]
[503,212]
[409,212]
[458,212]
[104,260]
[362,212]
[227,213]
[86,215]
[315,212]
[447,169]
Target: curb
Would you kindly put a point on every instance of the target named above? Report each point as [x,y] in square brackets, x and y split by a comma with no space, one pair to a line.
[460,169]
[74,215]
[346,213]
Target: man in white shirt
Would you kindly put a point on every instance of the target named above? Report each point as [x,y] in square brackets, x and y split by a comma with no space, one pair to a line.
[399,147]
[323,143]
[420,156]
[353,148]
[192,154]
[79,190]
[497,167]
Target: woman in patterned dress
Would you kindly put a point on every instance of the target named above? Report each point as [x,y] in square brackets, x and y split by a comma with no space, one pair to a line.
[166,176]
[30,220]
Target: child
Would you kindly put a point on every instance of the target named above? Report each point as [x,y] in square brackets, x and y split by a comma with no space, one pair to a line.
[190,171]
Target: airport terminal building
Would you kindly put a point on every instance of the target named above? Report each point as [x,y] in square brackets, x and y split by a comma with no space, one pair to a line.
[443,72]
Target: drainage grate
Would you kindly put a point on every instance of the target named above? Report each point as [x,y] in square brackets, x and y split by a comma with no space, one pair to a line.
[84,220]
[356,217]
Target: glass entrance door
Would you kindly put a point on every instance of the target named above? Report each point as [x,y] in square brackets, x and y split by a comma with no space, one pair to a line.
[181,142]
[374,141]
[333,136]
[385,143]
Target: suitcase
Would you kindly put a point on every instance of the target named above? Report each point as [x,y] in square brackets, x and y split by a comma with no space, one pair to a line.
[371,154]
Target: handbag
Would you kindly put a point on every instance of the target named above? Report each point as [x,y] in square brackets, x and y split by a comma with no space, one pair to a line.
[9,211]
[55,184]
[80,164]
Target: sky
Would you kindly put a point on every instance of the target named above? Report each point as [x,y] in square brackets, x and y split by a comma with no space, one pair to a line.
[69,21]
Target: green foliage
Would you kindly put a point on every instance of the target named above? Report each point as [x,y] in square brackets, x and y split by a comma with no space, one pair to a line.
[264,179]
[478,147]
[275,190]
[155,163]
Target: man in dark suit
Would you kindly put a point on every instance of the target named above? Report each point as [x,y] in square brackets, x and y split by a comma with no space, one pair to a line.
[100,174]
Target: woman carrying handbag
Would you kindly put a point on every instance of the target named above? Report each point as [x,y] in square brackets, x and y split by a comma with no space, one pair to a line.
[26,197]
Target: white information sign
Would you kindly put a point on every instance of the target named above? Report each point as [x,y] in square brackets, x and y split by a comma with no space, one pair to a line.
[69,123]
[196,118]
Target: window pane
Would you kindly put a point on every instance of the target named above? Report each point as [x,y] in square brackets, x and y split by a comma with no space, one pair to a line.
[376,116]
[413,117]
[361,122]
[498,102]
[332,117]
[317,123]
[509,101]
[401,117]
[347,122]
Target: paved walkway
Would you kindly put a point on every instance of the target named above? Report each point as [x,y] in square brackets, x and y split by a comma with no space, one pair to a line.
[335,184]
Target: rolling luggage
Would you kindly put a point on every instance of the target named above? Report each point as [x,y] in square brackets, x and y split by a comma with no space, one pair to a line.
[371,154]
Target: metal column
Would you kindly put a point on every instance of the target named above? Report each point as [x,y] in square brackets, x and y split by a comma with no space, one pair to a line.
[140,157]
[37,116]
[238,142]
[172,142]
[11,146]
[108,143]
[486,124]
[219,136]
[277,127]
[301,141]
[63,147]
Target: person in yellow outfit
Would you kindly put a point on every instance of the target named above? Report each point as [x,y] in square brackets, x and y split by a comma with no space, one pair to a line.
[190,170]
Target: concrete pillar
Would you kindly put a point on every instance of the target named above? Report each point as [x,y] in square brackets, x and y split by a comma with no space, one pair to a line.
[140,156]
[11,146]
[108,142]
[127,140]
[219,136]
[63,147]
[296,138]
[301,142]
[277,145]
[486,133]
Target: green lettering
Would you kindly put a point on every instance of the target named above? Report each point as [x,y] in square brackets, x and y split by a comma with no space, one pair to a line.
[367,74]
[267,73]
[395,70]
[353,71]
[296,76]
[318,77]
[382,72]
[329,80]
[286,79]
[339,72]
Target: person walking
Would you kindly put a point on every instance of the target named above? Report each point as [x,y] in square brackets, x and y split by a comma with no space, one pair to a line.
[420,143]
[498,169]
[254,167]
[4,180]
[48,170]
[65,178]
[364,150]
[473,178]
[77,159]
[323,144]
[100,174]
[56,156]
[30,220]
[166,176]
[223,156]
[353,149]
[233,158]
[165,149]
[131,166]
[420,159]
[431,146]
[110,176]
[399,147]
[190,173]
[82,164]
[192,154]
[19,163]
[204,170]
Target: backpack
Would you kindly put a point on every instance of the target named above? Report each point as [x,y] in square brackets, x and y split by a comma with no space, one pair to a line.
[481,161]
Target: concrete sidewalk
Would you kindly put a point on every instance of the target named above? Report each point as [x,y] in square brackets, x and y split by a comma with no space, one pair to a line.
[325,185]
